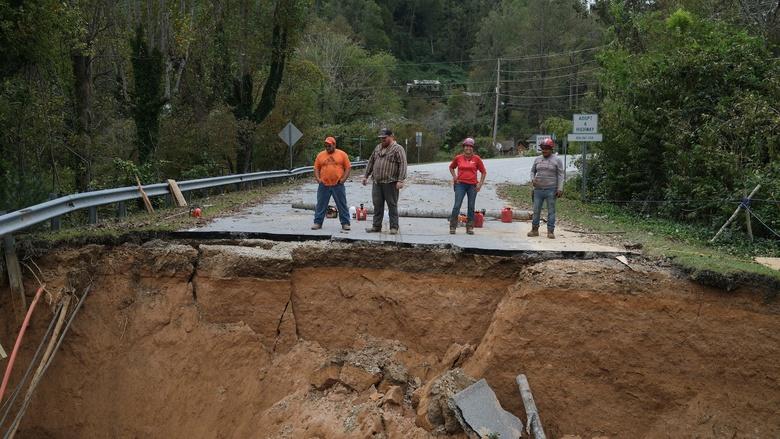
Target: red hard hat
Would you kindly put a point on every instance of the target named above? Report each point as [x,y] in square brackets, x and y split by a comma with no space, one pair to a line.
[547,143]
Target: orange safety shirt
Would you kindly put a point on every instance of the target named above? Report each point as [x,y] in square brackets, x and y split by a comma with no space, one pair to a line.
[332,166]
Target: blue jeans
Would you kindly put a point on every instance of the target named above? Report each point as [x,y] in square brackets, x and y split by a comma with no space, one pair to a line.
[540,195]
[339,194]
[461,191]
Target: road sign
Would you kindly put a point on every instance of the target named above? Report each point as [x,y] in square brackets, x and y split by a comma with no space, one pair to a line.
[586,123]
[290,134]
[585,137]
[418,137]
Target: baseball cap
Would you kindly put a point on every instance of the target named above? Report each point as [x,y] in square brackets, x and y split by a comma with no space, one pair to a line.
[384,132]
[330,140]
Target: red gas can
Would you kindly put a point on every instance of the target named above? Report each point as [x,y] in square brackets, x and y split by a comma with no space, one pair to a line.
[361,213]
[506,215]
[479,219]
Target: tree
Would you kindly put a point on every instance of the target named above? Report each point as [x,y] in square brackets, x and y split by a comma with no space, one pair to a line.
[690,118]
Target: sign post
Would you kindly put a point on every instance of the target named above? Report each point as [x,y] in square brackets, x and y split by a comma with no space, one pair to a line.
[418,138]
[290,135]
[586,129]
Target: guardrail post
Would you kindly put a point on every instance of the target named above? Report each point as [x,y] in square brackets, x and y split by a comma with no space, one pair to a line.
[56,224]
[168,200]
[14,269]
[93,219]
[121,209]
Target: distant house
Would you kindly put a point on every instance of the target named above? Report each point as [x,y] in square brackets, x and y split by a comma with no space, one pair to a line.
[423,86]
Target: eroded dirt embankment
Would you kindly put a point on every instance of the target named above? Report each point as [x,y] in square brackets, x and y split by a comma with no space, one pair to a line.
[330,340]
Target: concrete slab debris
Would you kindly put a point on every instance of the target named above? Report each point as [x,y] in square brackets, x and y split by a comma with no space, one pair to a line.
[479,409]
[773,263]
[624,261]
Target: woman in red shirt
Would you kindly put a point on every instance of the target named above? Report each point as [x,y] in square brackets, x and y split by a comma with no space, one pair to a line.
[465,183]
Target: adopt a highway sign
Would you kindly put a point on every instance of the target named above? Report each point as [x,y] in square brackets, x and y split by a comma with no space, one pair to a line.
[585,123]
[585,137]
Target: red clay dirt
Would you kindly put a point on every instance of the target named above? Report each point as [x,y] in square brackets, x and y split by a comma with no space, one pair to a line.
[324,340]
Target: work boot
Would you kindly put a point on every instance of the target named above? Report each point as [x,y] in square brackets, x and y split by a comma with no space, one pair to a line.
[469,228]
[346,227]
[534,231]
[373,230]
[550,234]
[453,226]
[393,231]
[316,226]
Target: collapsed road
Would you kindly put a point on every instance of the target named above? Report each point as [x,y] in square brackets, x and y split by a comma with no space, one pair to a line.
[324,334]
[255,338]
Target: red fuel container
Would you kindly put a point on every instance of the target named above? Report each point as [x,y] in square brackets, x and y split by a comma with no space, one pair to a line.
[506,215]
[479,219]
[361,213]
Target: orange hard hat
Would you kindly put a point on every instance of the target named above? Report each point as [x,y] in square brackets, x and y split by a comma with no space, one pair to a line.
[330,140]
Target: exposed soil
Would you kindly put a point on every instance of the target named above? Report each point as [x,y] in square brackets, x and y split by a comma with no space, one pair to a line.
[328,340]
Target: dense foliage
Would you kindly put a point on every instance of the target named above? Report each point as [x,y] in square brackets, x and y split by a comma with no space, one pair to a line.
[690,120]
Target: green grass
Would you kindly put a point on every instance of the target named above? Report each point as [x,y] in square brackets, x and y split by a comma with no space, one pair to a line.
[685,245]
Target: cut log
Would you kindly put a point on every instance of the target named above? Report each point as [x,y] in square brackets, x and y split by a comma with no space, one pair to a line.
[178,197]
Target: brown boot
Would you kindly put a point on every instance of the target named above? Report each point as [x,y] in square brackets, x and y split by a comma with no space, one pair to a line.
[453,226]
[534,231]
[551,234]
[469,228]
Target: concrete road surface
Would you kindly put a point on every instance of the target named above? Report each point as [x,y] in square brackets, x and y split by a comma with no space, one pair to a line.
[428,187]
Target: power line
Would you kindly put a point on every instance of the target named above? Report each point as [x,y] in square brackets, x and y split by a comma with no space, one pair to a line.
[486,60]
[550,69]
[568,75]
[544,97]
[550,55]
[750,211]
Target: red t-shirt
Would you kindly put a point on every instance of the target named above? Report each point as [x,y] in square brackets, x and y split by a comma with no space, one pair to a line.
[467,168]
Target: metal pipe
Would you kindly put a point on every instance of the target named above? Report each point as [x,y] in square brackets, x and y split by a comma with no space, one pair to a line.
[534,424]
[445,214]
[18,343]
[11,432]
[6,407]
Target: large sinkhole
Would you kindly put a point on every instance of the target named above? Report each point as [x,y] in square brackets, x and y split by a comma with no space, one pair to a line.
[330,340]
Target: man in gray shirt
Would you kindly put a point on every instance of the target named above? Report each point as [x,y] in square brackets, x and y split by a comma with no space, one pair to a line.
[547,175]
[387,167]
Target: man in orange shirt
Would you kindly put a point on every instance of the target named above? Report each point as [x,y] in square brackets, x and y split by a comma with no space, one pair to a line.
[331,170]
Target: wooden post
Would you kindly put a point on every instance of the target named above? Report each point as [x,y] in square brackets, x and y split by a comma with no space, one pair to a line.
[734,215]
[14,269]
[178,197]
[147,203]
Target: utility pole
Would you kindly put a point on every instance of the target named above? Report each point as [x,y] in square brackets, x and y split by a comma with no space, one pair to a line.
[495,113]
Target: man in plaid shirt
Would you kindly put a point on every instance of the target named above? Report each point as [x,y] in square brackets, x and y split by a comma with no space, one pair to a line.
[387,167]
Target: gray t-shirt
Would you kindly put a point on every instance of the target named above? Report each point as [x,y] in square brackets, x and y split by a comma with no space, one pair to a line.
[547,173]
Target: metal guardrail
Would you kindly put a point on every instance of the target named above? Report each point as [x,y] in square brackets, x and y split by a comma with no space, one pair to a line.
[21,219]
